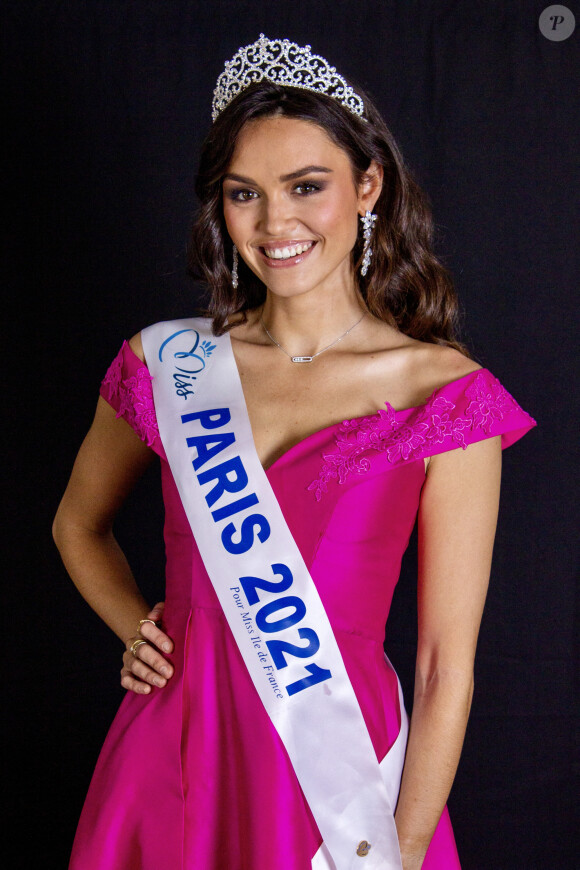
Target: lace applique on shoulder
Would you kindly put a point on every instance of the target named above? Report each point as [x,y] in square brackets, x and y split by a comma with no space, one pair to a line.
[114,375]
[134,397]
[402,440]
[489,401]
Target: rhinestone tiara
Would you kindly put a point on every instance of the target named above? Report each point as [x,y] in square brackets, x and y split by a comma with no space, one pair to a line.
[283,63]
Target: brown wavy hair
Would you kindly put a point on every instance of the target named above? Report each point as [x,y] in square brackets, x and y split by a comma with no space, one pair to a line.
[406,286]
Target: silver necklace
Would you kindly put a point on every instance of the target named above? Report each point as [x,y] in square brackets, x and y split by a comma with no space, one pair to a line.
[308,359]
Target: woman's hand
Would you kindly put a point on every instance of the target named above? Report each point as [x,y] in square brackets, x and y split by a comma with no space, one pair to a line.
[148,667]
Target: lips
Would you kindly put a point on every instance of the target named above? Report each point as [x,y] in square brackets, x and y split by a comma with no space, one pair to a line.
[286,253]
[279,253]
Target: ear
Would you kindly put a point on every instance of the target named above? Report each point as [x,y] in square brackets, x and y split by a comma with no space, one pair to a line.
[370,187]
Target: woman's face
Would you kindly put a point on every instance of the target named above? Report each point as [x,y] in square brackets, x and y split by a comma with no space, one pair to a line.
[291,205]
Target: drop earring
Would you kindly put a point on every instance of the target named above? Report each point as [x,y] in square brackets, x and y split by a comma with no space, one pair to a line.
[235,268]
[368,221]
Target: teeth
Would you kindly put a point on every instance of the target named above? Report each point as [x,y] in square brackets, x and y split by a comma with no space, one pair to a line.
[286,253]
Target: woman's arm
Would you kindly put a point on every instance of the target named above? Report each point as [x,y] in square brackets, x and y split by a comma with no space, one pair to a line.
[457,520]
[110,461]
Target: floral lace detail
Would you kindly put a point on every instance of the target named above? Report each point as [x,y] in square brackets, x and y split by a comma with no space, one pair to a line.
[489,402]
[429,425]
[114,375]
[135,398]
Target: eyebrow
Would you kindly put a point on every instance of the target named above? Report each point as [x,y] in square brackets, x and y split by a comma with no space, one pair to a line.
[306,170]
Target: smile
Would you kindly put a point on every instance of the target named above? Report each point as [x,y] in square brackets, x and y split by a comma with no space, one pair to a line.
[287,252]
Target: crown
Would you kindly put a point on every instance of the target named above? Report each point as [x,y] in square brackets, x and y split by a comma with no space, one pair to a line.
[283,63]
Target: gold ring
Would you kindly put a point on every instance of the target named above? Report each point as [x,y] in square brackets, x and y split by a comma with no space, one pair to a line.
[134,646]
[143,621]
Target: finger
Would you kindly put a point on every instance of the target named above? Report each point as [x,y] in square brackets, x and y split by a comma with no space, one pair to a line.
[156,636]
[129,682]
[156,613]
[146,655]
[141,671]
[146,674]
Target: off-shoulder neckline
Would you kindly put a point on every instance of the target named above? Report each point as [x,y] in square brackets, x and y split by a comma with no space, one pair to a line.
[351,420]
[356,421]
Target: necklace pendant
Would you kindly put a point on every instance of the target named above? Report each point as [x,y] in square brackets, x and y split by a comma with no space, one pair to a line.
[301,359]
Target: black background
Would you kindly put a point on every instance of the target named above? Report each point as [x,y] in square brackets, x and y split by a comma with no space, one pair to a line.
[106,104]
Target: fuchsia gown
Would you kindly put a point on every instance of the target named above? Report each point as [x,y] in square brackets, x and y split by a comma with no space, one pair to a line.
[194,775]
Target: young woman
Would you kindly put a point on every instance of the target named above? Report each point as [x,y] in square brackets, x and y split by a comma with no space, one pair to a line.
[299,440]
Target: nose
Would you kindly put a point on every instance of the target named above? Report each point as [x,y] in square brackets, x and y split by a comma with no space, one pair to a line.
[276,215]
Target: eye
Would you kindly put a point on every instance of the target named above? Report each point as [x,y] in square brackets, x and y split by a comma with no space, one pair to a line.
[241,194]
[306,188]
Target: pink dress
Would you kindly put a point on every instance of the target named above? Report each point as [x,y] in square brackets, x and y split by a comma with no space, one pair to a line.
[194,775]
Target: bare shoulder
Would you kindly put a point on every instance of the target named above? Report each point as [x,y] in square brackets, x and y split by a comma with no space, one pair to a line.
[437,365]
[136,346]
[410,371]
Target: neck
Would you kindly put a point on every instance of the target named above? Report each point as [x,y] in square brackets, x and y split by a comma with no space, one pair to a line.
[303,325]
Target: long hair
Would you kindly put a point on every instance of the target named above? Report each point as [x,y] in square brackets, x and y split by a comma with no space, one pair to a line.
[406,285]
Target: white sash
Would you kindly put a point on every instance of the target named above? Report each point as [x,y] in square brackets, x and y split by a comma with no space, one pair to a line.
[268,597]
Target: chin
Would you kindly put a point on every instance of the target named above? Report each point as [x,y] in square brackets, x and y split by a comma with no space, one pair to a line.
[288,285]
[289,292]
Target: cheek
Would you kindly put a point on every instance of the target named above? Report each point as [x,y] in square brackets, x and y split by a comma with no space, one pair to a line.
[338,217]
[239,221]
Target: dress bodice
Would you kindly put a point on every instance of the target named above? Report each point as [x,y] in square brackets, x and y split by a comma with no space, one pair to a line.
[349,492]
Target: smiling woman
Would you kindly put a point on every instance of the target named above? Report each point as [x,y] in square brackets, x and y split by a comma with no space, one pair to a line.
[407,286]
[321,406]
[312,208]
